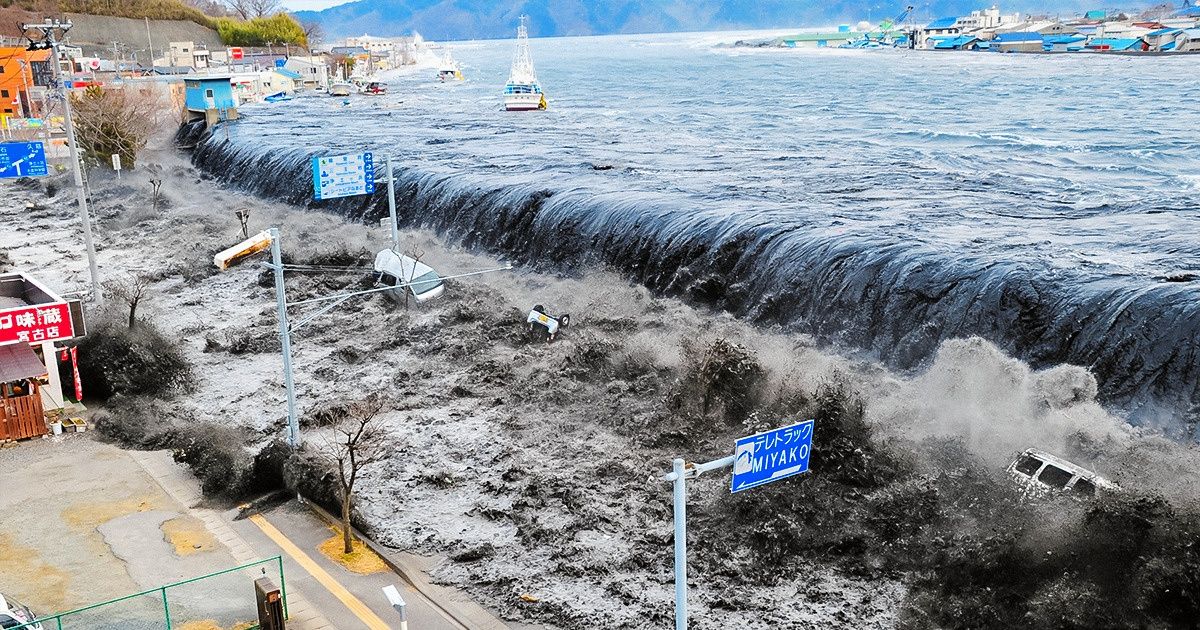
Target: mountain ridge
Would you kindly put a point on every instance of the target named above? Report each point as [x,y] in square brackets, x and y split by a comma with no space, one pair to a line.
[493,19]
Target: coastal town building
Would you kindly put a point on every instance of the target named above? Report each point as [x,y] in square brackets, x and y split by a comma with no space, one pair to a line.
[33,319]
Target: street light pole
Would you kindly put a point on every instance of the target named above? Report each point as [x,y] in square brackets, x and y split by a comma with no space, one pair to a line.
[285,339]
[48,29]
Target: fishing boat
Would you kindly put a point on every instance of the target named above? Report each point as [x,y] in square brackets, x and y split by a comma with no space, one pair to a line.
[523,92]
[376,88]
[341,89]
[448,69]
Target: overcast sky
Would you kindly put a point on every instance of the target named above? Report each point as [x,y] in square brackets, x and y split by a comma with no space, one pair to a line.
[299,5]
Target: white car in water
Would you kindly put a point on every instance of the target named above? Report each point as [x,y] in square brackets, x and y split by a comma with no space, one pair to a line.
[14,614]
[1043,473]
[407,274]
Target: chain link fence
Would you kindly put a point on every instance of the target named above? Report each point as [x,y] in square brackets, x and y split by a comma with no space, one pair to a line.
[224,600]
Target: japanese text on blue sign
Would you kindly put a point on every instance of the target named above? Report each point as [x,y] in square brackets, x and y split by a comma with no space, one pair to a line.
[343,175]
[771,456]
[22,159]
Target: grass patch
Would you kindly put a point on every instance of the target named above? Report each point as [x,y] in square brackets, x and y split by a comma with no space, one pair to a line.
[362,560]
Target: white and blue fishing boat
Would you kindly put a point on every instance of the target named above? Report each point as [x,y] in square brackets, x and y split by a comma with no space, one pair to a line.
[523,92]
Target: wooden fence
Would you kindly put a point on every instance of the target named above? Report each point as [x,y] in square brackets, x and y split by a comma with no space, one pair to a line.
[22,417]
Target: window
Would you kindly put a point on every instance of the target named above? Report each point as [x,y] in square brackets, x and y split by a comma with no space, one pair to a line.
[208,93]
[1055,477]
[1029,465]
[3,93]
[1084,487]
[388,279]
[425,282]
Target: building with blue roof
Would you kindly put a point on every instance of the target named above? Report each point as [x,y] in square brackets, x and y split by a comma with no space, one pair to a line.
[210,98]
[936,30]
[960,42]
[1063,43]
[1023,41]
[1106,44]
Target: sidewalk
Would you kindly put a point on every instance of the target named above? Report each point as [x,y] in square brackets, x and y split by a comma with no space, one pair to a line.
[185,488]
[333,597]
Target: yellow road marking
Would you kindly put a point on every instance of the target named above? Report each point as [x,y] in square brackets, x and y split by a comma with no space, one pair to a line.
[334,587]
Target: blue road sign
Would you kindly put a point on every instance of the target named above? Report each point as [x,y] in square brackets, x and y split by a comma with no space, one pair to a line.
[343,175]
[771,456]
[22,159]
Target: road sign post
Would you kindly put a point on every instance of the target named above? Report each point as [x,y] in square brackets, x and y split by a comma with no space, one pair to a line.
[23,159]
[343,175]
[757,460]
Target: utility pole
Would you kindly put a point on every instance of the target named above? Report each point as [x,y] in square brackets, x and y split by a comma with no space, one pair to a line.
[150,43]
[285,339]
[52,30]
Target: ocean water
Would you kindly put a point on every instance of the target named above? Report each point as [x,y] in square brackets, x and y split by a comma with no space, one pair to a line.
[880,200]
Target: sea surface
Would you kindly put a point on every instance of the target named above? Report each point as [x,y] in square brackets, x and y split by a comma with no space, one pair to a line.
[881,200]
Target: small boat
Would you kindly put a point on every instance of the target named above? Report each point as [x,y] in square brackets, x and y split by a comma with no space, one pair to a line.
[341,89]
[448,69]
[523,92]
[277,97]
[376,88]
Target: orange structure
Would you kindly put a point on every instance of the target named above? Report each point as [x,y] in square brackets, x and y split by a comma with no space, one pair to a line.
[17,77]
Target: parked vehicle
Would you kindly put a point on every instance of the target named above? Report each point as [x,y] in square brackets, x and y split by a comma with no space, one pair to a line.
[539,321]
[14,614]
[1044,473]
[407,274]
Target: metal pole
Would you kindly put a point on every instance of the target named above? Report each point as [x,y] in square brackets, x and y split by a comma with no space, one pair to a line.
[149,43]
[282,586]
[680,546]
[76,167]
[166,608]
[391,183]
[285,340]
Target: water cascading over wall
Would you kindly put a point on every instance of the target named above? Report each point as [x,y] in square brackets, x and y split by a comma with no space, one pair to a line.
[897,300]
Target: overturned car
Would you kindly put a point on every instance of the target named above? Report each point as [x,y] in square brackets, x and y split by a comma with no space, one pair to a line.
[1042,473]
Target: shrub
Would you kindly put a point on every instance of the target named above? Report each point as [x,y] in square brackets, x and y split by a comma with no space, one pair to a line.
[138,361]
[114,121]
[278,29]
[720,376]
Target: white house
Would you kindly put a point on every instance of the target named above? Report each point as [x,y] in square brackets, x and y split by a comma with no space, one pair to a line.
[313,70]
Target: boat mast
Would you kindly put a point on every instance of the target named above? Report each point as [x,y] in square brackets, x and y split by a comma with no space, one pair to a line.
[522,65]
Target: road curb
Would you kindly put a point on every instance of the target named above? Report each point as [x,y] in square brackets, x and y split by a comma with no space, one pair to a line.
[464,612]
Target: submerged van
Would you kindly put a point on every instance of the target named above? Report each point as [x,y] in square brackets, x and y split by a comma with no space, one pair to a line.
[1043,472]
[407,274]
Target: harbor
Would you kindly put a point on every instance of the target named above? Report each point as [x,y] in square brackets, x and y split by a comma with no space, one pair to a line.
[1161,30]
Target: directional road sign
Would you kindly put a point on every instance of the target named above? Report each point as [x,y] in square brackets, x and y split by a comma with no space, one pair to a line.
[343,175]
[22,159]
[771,456]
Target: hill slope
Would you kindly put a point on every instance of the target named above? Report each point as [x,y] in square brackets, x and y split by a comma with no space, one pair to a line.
[480,19]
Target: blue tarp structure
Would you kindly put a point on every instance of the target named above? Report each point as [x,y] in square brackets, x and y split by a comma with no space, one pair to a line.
[1117,44]
[295,76]
[1062,39]
[1024,36]
[942,24]
[955,43]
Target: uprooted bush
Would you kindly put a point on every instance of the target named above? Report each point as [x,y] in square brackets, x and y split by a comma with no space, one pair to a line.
[719,379]
[216,454]
[137,361]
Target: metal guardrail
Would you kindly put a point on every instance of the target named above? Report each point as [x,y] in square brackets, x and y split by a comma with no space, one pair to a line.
[216,601]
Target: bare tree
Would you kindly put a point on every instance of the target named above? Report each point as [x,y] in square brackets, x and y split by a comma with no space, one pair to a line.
[115,121]
[250,9]
[357,441]
[129,290]
[314,33]
[156,180]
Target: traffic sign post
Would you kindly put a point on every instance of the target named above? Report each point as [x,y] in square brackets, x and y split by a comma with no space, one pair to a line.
[757,460]
[23,159]
[343,175]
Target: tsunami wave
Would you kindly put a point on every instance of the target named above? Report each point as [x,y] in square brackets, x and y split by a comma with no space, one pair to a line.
[896,299]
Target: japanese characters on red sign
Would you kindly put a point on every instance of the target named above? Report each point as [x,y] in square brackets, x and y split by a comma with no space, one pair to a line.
[35,324]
